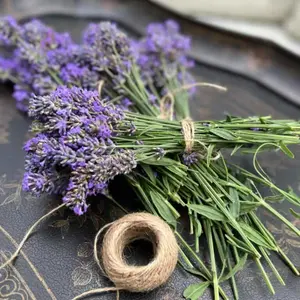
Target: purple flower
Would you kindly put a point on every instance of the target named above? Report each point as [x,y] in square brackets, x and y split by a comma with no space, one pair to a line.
[152,99]
[126,103]
[43,85]
[190,158]
[107,47]
[162,53]
[76,146]
[80,209]
[160,152]
[9,31]
[21,95]
[36,183]
[7,68]
[42,59]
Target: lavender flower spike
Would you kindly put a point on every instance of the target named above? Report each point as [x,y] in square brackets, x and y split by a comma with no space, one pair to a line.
[74,143]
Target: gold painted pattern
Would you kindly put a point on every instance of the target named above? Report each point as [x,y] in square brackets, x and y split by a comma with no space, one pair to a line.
[12,285]
[33,268]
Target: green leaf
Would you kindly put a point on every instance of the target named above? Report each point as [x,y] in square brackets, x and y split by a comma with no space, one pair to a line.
[228,118]
[254,236]
[295,214]
[193,271]
[236,148]
[164,161]
[197,226]
[208,212]
[195,291]
[275,198]
[239,244]
[235,205]
[262,120]
[224,167]
[248,206]
[286,150]
[166,183]
[223,133]
[162,208]
[210,150]
[293,197]
[239,266]
[149,172]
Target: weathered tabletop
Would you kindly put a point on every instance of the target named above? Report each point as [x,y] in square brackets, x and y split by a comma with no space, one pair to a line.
[57,261]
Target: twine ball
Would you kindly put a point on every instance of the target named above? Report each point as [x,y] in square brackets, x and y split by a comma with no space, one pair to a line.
[128,229]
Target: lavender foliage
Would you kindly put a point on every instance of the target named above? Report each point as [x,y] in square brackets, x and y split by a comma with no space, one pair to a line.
[7,67]
[9,31]
[73,146]
[162,54]
[42,59]
[107,48]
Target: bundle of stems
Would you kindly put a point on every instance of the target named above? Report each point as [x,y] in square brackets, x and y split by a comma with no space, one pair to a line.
[178,166]
[221,206]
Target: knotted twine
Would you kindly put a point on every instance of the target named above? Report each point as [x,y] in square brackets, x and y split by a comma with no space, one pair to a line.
[119,235]
[188,131]
[188,128]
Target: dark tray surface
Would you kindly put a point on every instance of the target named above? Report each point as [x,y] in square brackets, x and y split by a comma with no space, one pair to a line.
[62,264]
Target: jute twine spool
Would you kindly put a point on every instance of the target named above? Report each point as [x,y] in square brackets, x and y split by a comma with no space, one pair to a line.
[120,234]
[132,278]
[139,278]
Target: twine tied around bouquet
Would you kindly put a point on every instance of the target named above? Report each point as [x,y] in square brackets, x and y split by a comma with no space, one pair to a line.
[188,128]
[188,131]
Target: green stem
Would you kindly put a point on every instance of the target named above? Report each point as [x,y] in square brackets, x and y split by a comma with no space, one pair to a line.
[200,262]
[288,261]
[207,226]
[265,276]
[271,265]
[55,77]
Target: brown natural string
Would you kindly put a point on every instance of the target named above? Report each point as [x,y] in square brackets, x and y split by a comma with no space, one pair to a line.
[119,235]
[188,131]
[129,277]
[166,114]
[187,124]
[29,232]
[170,95]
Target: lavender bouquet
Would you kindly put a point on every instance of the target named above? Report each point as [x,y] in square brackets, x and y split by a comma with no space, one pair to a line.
[85,138]
[88,141]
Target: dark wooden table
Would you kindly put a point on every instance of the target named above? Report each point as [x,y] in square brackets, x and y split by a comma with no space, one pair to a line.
[57,261]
